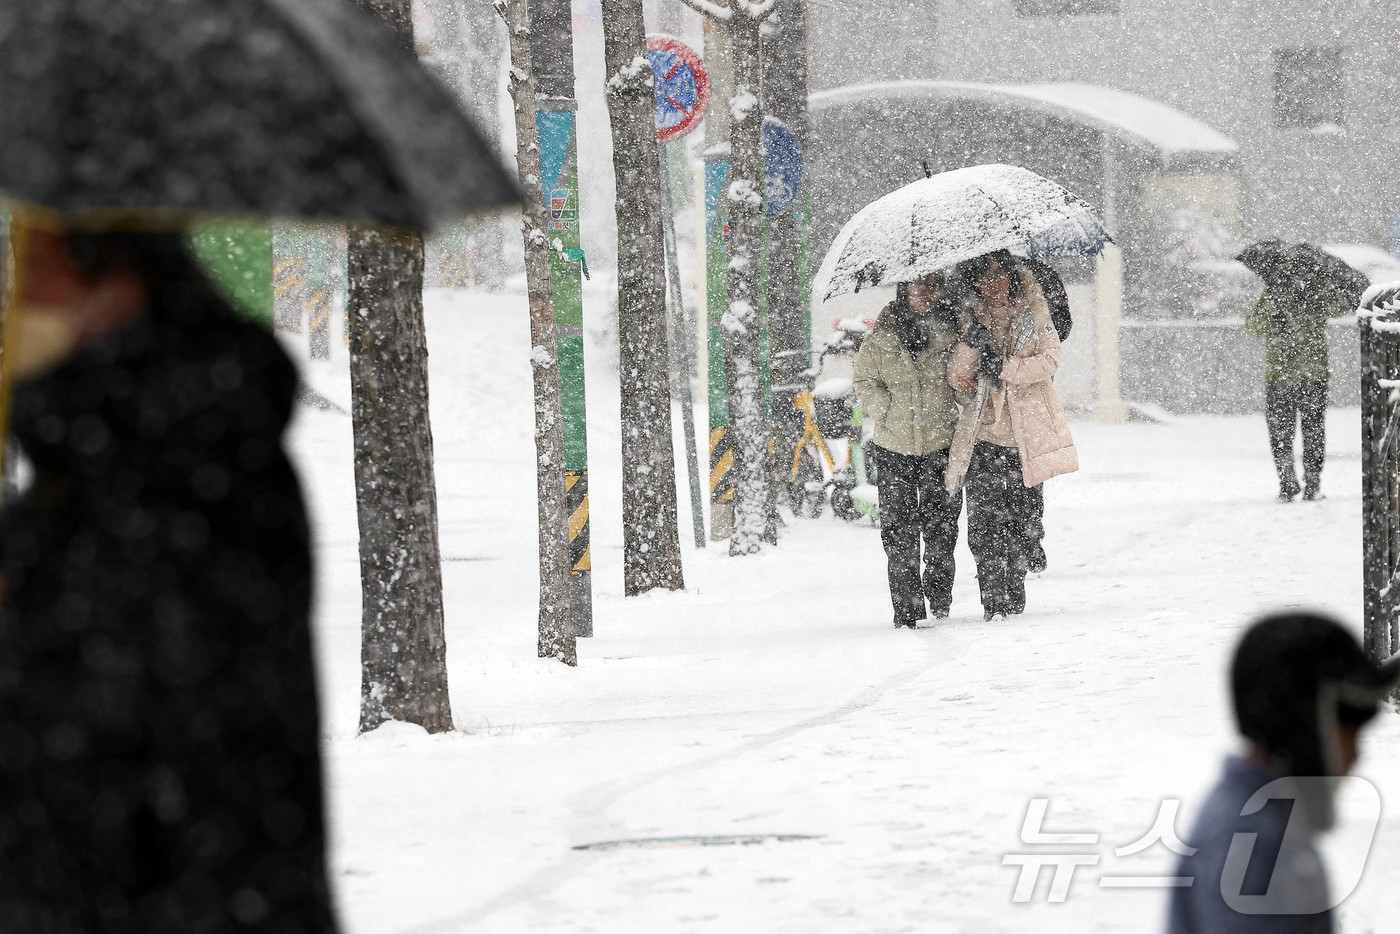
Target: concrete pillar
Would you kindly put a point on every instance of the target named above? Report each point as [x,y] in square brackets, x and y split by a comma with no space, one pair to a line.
[1108,313]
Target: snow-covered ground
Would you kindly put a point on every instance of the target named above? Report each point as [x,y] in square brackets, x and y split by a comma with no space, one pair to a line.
[773,697]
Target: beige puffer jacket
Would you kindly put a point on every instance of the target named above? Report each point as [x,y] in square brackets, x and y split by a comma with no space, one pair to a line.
[907,397]
[1027,393]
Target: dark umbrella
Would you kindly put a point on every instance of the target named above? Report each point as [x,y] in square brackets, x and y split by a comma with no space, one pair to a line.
[1299,265]
[111,109]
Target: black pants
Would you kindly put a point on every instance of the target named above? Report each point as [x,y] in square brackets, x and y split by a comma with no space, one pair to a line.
[1001,514]
[1035,528]
[1284,404]
[914,505]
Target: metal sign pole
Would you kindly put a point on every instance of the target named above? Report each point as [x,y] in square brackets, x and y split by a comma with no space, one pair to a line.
[680,354]
[682,97]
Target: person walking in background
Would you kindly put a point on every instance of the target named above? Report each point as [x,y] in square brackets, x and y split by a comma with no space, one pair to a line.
[1012,435]
[901,385]
[1302,690]
[1291,315]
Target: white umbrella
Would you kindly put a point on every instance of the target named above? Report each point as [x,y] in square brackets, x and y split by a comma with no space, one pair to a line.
[951,217]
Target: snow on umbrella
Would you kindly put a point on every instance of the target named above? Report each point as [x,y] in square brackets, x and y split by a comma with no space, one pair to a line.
[951,217]
[147,111]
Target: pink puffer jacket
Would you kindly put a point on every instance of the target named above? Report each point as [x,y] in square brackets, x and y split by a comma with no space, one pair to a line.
[1038,420]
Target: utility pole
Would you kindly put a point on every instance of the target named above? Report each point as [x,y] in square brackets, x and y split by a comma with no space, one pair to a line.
[719,65]
[403,651]
[552,58]
[556,631]
[789,254]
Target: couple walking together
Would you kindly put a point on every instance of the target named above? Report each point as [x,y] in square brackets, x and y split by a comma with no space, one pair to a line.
[957,382]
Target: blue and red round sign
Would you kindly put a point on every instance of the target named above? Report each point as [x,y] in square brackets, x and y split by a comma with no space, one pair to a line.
[682,87]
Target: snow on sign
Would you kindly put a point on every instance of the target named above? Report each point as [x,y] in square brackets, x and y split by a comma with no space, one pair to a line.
[682,87]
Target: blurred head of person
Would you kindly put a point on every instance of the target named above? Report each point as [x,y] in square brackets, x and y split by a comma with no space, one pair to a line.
[1302,689]
[77,287]
[67,301]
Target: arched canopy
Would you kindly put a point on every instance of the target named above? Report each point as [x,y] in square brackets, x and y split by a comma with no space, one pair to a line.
[1129,156]
[1173,139]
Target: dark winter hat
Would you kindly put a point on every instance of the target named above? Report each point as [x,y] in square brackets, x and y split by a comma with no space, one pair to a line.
[1295,677]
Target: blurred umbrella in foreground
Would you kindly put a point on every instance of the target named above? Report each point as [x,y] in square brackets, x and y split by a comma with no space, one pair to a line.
[1298,265]
[147,114]
[156,574]
[951,217]
[142,111]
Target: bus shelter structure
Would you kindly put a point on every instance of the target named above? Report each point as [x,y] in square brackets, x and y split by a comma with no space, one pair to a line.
[1149,168]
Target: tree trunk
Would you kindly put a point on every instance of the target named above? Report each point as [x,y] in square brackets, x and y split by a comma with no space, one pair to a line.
[651,539]
[403,653]
[741,323]
[556,631]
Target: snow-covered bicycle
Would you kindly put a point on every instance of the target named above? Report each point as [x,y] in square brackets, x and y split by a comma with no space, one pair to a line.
[828,462]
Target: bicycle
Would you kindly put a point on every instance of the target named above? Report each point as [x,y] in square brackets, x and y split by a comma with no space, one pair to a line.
[828,462]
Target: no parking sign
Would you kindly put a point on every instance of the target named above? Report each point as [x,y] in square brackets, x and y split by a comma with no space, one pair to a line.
[682,87]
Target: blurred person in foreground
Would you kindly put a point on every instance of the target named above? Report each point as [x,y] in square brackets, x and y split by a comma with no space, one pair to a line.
[158,711]
[1291,316]
[902,387]
[1012,435]
[1302,688]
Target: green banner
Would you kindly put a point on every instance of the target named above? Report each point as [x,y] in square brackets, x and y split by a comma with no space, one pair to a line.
[237,256]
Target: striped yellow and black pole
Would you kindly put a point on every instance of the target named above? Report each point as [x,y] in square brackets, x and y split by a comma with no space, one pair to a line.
[722,473]
[580,550]
[717,302]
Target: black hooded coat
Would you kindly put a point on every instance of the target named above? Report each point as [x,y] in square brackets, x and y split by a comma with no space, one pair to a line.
[159,768]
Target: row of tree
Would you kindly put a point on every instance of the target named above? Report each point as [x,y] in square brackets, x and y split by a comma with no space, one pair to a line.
[403,653]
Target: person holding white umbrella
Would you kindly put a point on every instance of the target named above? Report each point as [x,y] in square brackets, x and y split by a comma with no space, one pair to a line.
[901,384]
[928,228]
[1013,435]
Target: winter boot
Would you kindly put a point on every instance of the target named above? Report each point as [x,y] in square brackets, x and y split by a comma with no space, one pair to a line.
[1287,484]
[1015,603]
[1037,561]
[1312,488]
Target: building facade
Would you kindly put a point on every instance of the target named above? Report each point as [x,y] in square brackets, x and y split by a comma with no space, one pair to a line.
[1306,89]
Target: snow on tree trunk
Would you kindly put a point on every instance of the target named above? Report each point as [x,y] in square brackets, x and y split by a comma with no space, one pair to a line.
[651,537]
[556,628]
[740,323]
[403,652]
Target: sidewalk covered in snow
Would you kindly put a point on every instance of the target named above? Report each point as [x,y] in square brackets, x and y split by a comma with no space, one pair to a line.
[772,698]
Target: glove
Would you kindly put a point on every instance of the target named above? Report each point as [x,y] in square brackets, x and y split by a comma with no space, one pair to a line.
[989,364]
[976,335]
